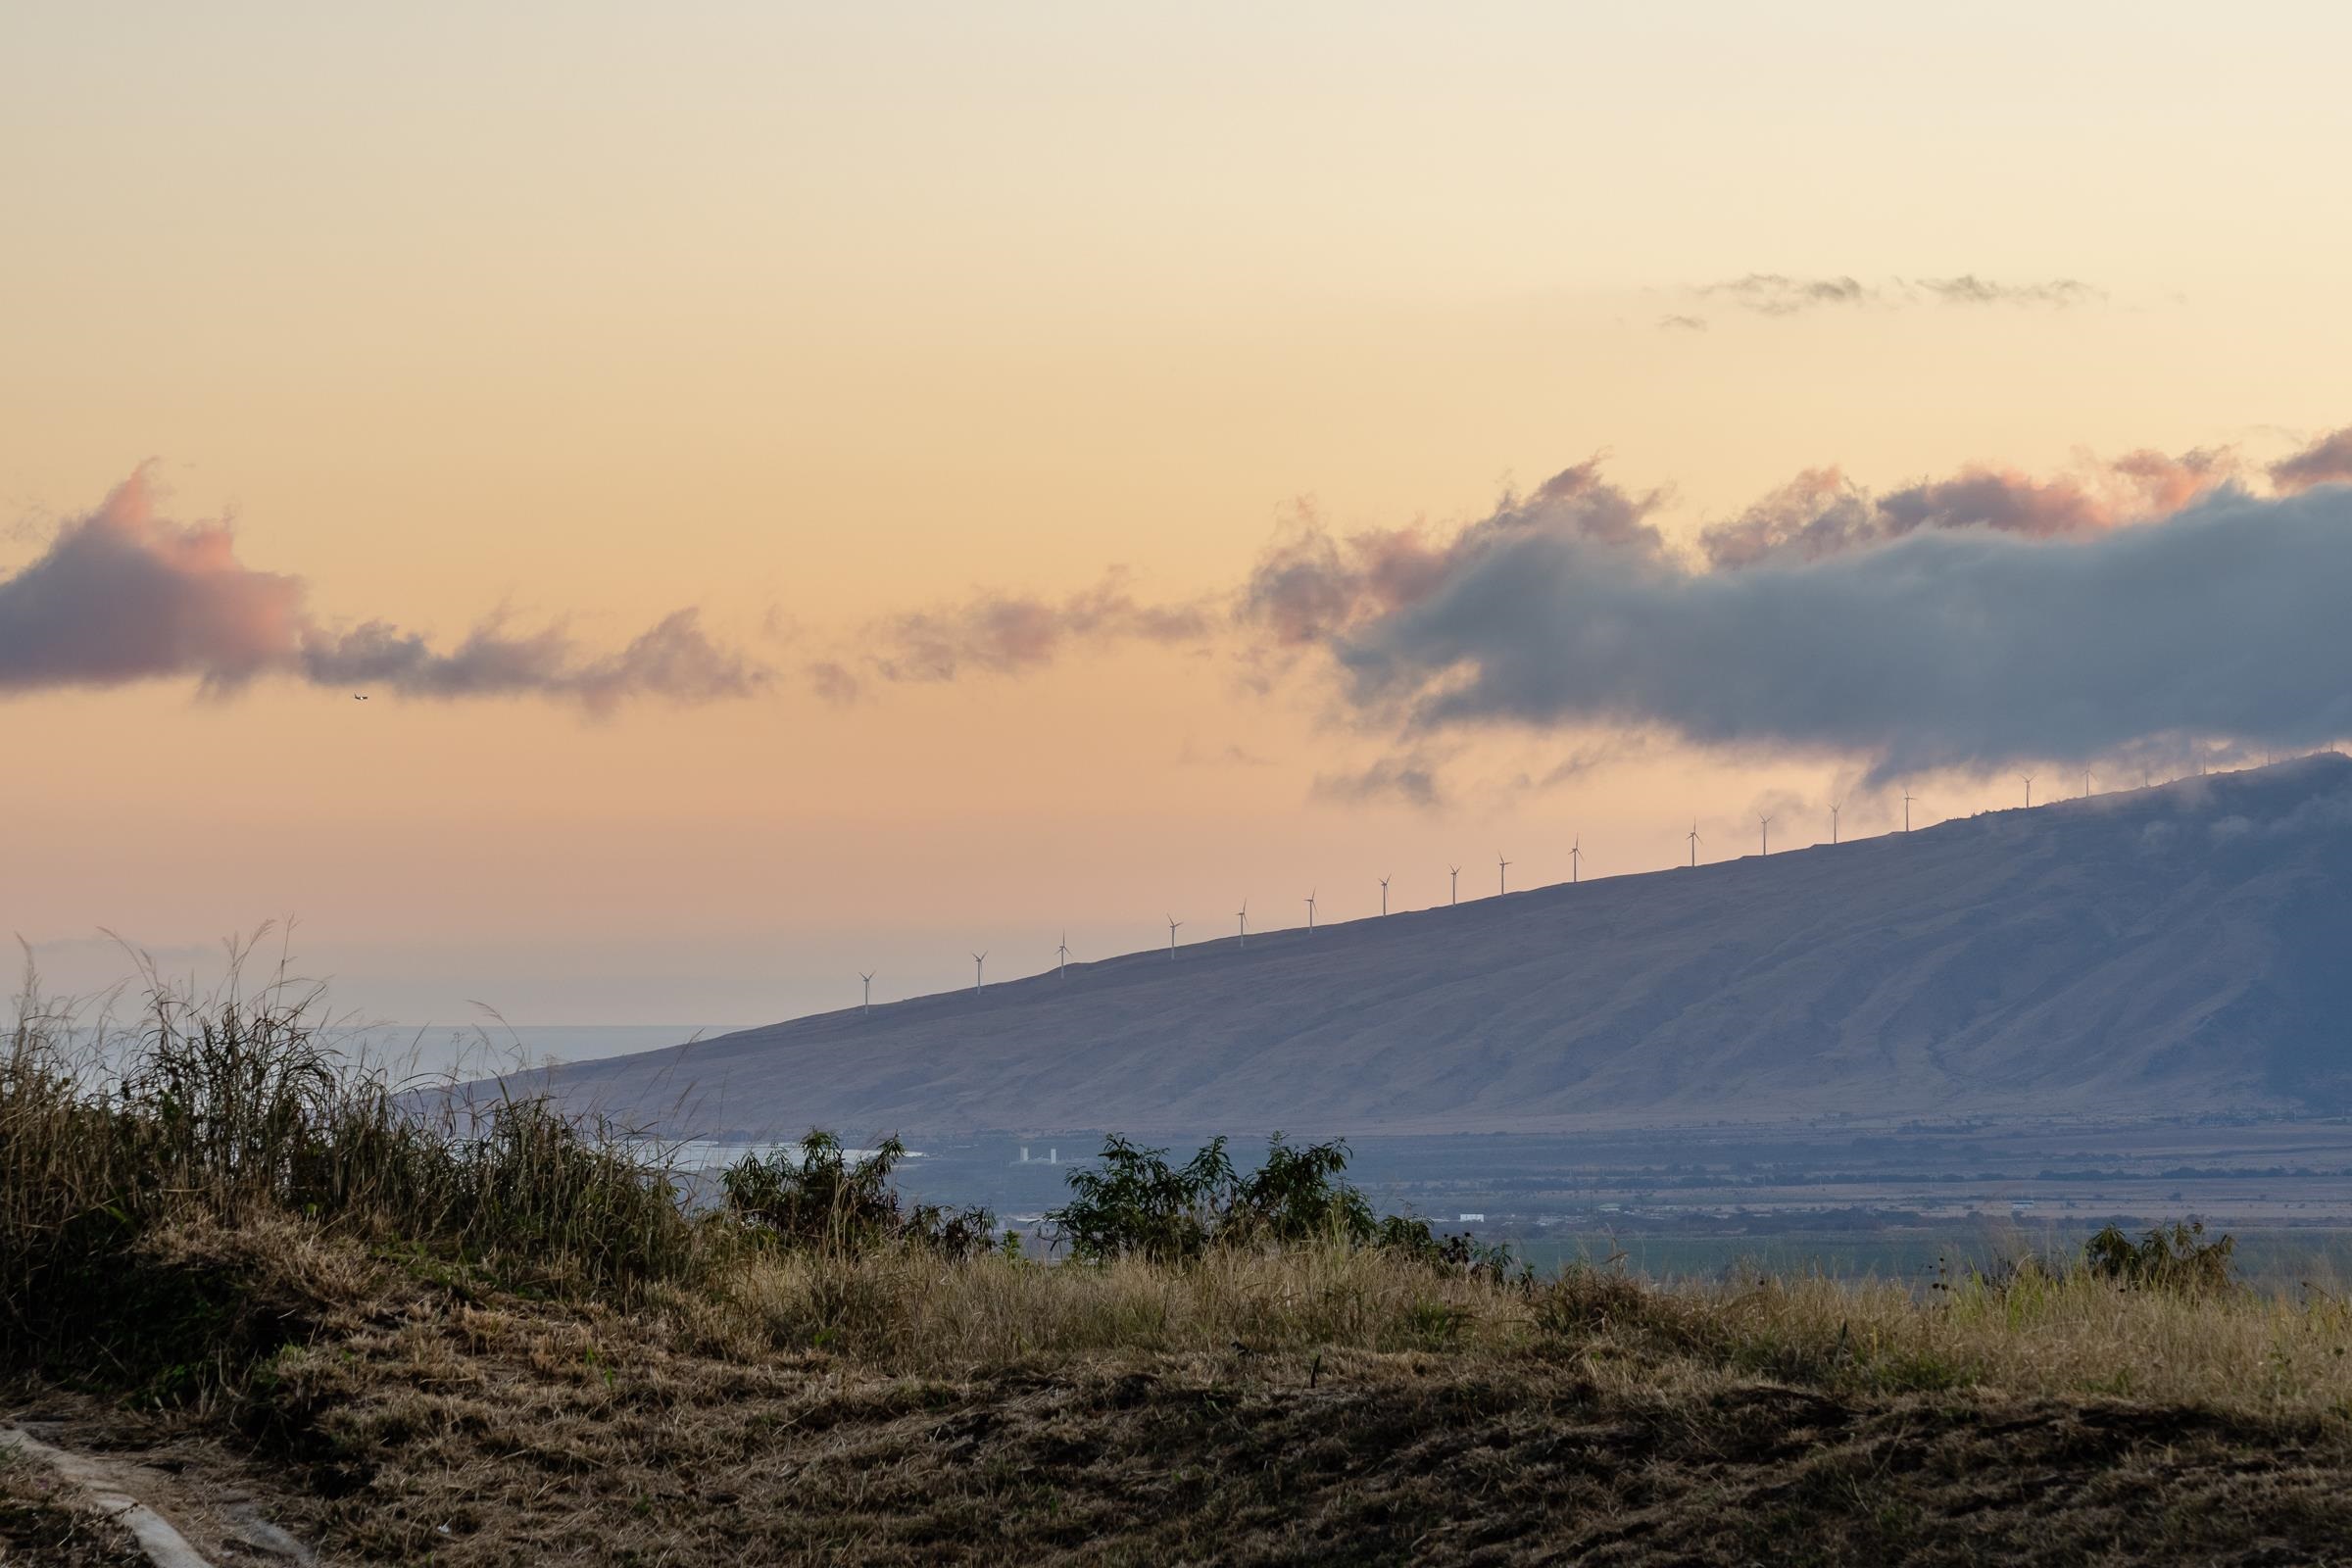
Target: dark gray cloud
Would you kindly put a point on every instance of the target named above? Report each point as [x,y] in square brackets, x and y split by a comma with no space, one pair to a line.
[123,595]
[2327,461]
[1935,648]
[1311,585]
[1013,633]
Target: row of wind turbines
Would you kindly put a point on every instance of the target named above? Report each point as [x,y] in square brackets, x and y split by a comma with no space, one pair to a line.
[1502,875]
[1502,871]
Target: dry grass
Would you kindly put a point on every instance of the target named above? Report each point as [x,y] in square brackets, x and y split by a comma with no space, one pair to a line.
[1290,1409]
[2036,1334]
[506,1343]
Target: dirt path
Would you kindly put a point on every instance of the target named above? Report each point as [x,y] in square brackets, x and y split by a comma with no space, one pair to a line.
[144,1500]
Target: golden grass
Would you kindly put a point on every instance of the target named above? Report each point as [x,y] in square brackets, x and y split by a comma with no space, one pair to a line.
[2035,1334]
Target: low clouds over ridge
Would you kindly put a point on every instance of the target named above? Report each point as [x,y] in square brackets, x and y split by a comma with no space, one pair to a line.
[1952,641]
[1968,619]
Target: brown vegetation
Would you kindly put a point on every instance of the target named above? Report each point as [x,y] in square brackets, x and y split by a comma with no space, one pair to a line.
[502,1346]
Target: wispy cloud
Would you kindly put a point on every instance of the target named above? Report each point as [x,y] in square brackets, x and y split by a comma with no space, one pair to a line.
[122,594]
[1411,779]
[1009,633]
[1969,289]
[2327,461]
[1682,323]
[1779,294]
[1821,512]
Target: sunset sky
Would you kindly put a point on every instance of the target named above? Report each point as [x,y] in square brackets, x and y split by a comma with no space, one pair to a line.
[1107,454]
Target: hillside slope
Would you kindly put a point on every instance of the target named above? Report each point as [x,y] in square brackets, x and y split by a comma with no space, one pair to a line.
[2176,949]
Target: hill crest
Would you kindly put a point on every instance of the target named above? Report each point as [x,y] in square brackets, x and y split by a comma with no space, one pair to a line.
[2166,951]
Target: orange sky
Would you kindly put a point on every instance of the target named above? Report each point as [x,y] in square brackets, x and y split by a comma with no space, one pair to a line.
[810,319]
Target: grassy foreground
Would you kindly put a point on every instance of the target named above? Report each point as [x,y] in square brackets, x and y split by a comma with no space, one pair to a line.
[500,1339]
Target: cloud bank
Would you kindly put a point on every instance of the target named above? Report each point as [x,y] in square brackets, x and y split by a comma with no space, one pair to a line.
[1952,641]
[123,595]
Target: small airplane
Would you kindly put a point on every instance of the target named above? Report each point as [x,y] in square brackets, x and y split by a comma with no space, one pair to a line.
[359,696]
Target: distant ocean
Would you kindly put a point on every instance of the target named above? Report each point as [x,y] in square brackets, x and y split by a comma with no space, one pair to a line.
[472,1051]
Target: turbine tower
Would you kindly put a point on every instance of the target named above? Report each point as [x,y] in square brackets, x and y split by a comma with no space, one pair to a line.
[2028,778]
[1455,872]
[1764,825]
[1244,917]
[1833,805]
[1576,854]
[979,962]
[1063,953]
[1173,924]
[1502,874]
[1907,800]
[1310,914]
[1384,894]
[1695,843]
[867,1006]
[2086,783]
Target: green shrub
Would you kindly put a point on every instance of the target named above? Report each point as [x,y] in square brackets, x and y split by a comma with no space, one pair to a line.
[237,1108]
[819,1200]
[1137,1204]
[2176,1259]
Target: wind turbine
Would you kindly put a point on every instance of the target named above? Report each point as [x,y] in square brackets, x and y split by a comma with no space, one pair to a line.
[1576,854]
[1695,843]
[1833,805]
[1063,953]
[1455,872]
[1502,880]
[979,962]
[1173,924]
[1310,914]
[1908,797]
[2028,778]
[1244,917]
[2086,783]
[870,991]
[1384,894]
[1764,825]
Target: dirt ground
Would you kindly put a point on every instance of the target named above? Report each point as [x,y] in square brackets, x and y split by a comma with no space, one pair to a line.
[497,1437]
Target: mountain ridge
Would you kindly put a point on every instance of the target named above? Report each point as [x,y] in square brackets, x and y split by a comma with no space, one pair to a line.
[2175,950]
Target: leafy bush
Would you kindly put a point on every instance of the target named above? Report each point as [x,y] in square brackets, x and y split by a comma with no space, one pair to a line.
[1137,1204]
[237,1110]
[2178,1259]
[818,1198]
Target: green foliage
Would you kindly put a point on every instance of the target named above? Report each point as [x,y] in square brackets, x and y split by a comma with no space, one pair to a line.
[818,1198]
[1137,1204]
[1297,1195]
[2176,1259]
[237,1109]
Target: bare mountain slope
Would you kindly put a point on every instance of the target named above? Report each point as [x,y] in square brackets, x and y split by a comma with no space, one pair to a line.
[2176,949]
